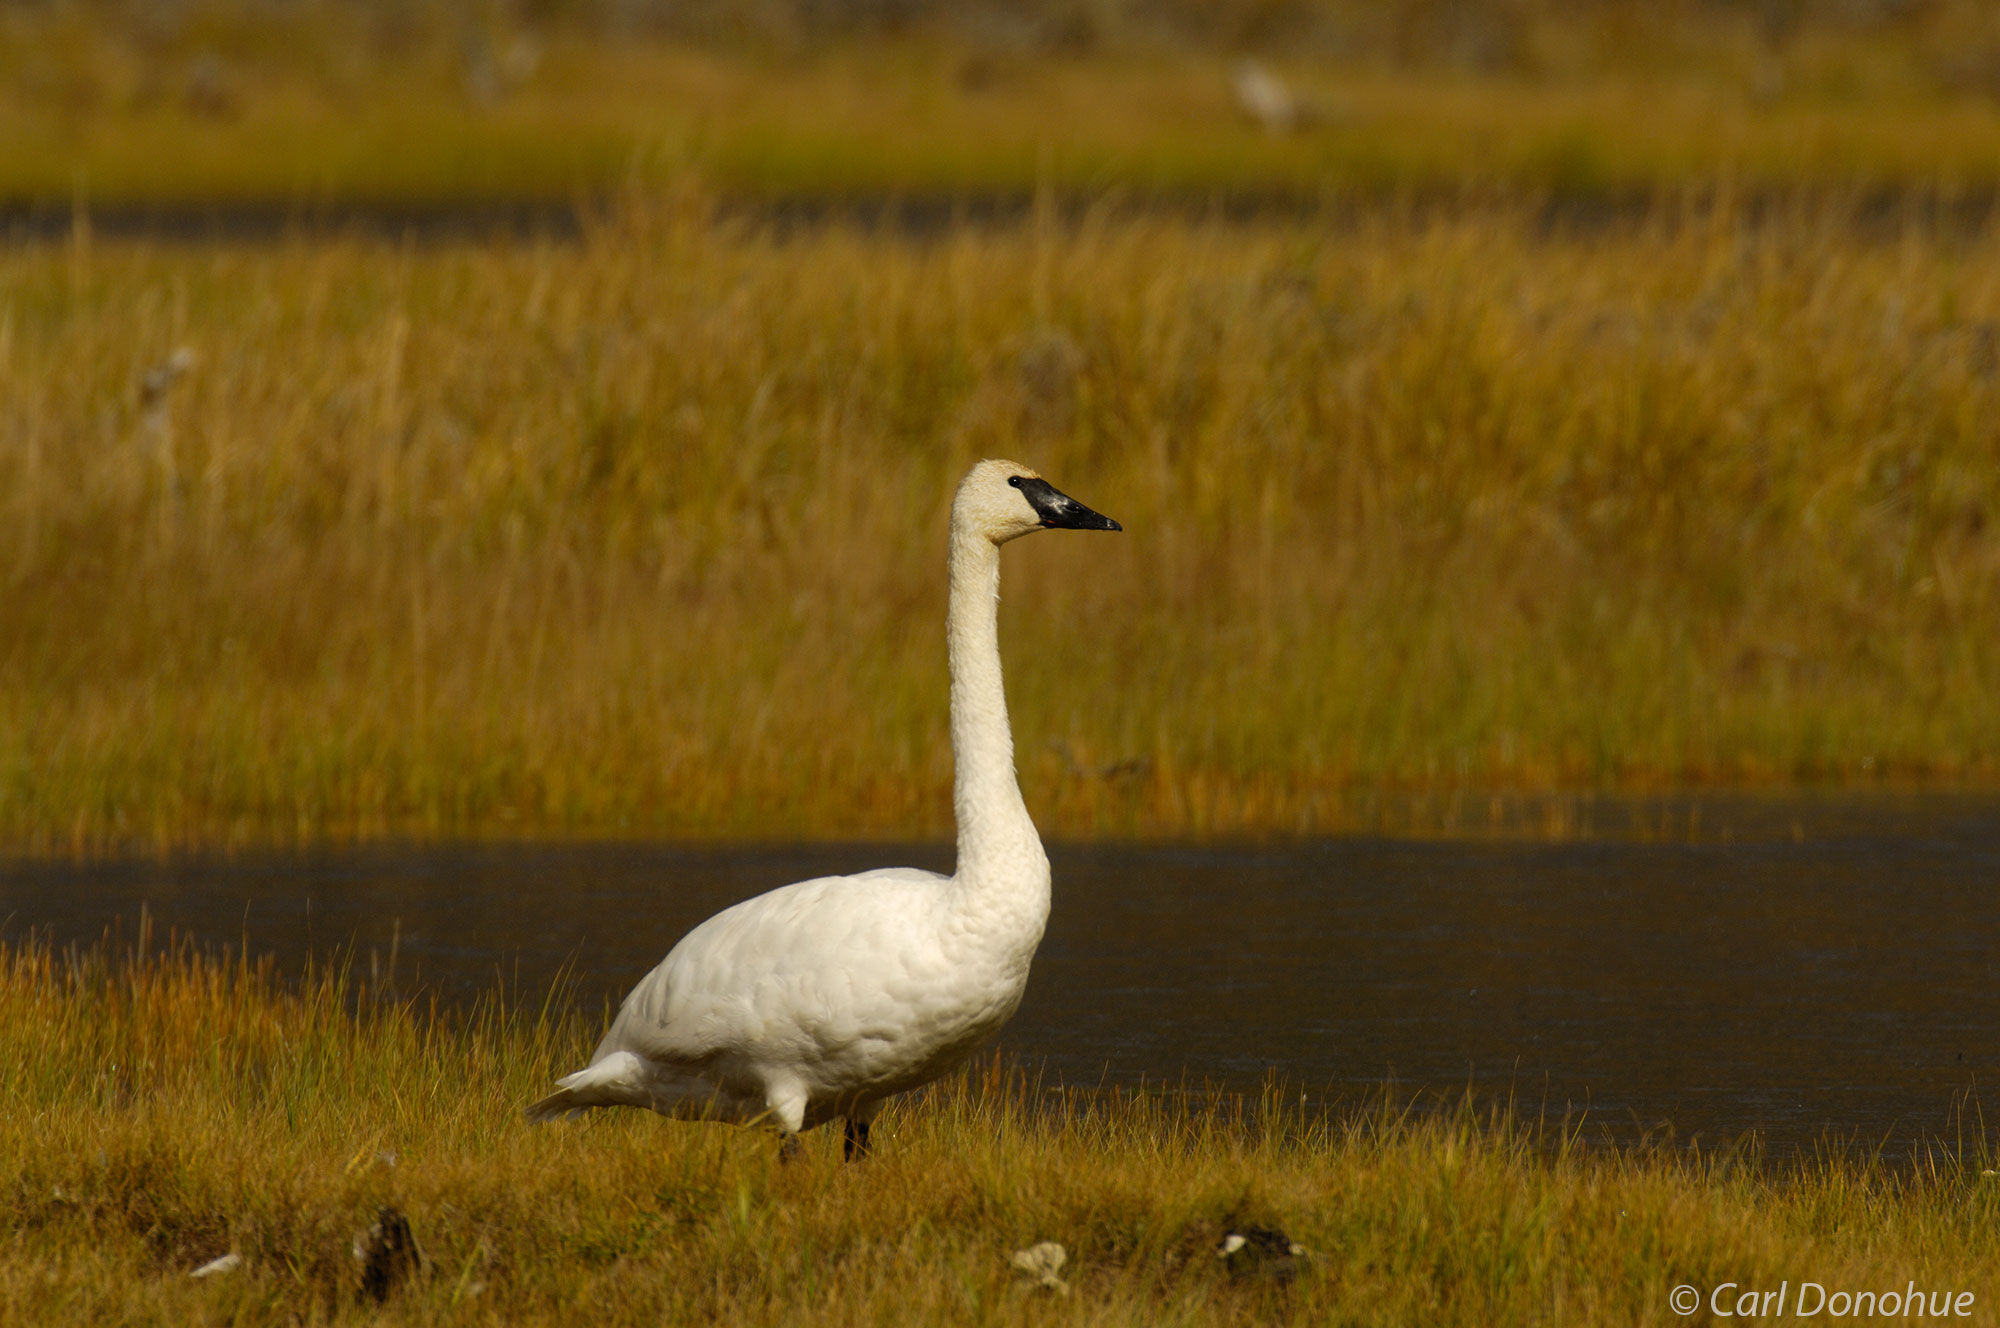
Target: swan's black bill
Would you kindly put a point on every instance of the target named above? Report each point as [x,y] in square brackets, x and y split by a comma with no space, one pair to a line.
[1058,510]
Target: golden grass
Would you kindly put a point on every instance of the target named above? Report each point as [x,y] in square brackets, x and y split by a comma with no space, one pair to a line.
[321,104]
[642,534]
[162,1113]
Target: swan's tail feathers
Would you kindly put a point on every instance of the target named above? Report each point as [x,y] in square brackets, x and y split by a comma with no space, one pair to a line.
[612,1082]
[561,1103]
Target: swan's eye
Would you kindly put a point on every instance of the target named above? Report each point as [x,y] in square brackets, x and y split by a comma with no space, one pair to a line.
[1015,481]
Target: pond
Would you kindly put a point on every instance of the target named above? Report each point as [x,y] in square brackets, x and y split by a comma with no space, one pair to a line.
[1804,970]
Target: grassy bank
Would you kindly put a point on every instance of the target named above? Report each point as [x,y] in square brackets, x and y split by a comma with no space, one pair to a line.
[219,102]
[642,534]
[162,1114]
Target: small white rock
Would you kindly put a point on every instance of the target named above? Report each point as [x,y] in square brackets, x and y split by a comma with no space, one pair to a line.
[228,1263]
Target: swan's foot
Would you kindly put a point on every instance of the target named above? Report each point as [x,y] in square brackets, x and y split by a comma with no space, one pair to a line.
[854,1146]
[789,1148]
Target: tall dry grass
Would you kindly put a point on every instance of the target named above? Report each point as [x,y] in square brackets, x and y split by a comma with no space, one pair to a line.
[642,534]
[163,1113]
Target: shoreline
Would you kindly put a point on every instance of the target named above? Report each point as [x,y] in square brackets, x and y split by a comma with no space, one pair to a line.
[169,1114]
[1704,814]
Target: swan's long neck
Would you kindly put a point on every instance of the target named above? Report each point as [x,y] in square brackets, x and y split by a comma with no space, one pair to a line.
[998,849]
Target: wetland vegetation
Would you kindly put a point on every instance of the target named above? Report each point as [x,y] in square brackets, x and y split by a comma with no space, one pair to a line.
[165,1113]
[1572,400]
[337,538]
[1443,479]
[214,103]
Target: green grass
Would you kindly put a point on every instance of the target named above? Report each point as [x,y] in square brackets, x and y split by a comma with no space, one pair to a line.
[642,535]
[161,1113]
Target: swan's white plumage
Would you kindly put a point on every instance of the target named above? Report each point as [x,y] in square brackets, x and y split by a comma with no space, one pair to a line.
[821,998]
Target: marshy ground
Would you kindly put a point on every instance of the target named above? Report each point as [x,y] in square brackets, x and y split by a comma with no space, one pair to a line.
[1570,401]
[638,534]
[167,1113]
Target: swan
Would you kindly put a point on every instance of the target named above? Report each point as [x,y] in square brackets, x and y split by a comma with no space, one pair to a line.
[825,997]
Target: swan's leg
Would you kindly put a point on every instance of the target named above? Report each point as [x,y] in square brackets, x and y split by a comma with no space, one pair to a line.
[855,1146]
[785,1097]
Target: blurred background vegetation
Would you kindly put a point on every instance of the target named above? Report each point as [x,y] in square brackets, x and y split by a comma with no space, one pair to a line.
[1499,397]
[309,101]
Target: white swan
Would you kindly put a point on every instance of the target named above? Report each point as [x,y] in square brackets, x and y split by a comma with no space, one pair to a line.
[822,998]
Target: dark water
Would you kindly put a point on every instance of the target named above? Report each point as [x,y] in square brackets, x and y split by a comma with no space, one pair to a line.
[1828,972]
[1881,214]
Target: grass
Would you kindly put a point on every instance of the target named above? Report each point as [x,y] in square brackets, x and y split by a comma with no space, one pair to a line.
[163,1112]
[1605,409]
[1432,492]
[220,103]
[641,534]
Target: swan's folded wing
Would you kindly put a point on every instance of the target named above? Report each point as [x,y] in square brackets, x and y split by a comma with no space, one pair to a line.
[805,965]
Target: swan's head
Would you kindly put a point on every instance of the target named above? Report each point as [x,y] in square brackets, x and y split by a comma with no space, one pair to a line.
[1004,500]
